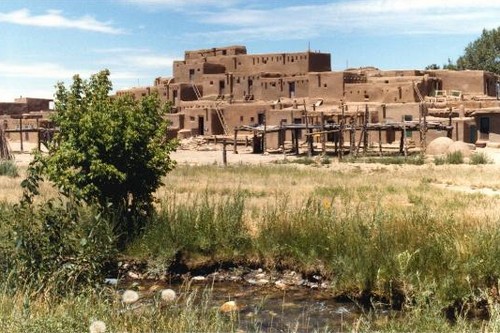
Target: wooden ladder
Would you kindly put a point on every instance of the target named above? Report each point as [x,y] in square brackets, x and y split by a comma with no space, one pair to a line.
[220,115]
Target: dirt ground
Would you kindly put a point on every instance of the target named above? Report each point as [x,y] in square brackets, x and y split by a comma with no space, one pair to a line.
[203,154]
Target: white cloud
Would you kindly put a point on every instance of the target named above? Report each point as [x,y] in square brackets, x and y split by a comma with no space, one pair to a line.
[366,16]
[55,19]
[178,4]
[137,59]
[37,70]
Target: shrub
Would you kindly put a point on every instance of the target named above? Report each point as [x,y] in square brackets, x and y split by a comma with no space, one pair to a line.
[57,247]
[8,168]
[455,157]
[480,158]
[439,160]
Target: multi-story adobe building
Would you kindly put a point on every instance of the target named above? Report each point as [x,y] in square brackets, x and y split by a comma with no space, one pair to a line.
[213,91]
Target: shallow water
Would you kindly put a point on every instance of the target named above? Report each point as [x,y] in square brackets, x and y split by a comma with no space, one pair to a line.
[268,309]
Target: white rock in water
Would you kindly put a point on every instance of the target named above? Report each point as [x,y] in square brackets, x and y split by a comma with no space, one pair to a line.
[97,327]
[199,278]
[168,295]
[130,296]
[229,307]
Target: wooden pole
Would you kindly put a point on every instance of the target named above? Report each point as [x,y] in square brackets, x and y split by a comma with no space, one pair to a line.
[21,133]
[308,137]
[235,142]
[401,142]
[365,131]
[380,141]
[341,134]
[224,152]
[323,136]
[264,143]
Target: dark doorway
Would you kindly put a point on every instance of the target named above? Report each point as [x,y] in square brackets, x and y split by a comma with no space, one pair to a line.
[222,87]
[484,128]
[250,87]
[201,125]
[291,89]
[191,74]
[261,118]
[299,131]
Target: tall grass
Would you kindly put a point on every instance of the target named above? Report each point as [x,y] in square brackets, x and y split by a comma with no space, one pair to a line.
[193,312]
[8,168]
[213,228]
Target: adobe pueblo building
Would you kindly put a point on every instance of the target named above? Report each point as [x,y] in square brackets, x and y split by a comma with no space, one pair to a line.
[296,96]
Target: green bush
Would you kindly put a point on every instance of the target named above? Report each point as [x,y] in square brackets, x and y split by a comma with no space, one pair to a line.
[455,157]
[480,158]
[56,247]
[8,168]
[439,160]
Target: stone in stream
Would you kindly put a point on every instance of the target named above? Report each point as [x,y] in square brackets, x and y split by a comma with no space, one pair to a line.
[130,296]
[168,295]
[198,278]
[230,306]
[97,326]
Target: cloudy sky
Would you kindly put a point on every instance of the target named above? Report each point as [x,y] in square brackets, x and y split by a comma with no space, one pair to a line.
[46,41]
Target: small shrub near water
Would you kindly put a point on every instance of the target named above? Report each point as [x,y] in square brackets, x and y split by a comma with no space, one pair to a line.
[8,168]
[55,247]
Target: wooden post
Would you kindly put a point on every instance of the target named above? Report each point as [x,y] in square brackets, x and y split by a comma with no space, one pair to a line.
[235,144]
[21,133]
[401,142]
[341,133]
[323,136]
[449,134]
[308,137]
[365,130]
[380,141]
[405,146]
[264,143]
[224,152]
[424,139]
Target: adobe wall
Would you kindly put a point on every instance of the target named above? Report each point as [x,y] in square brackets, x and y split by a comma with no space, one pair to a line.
[215,51]
[34,104]
[326,85]
[9,108]
[469,82]
[494,134]
[396,92]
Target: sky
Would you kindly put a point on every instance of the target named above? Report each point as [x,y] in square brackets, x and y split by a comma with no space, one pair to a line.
[43,42]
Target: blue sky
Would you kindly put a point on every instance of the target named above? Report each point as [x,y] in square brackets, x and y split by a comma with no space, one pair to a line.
[46,41]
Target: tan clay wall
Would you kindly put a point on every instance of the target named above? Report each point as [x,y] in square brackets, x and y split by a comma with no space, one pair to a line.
[8,108]
[401,92]
[327,85]
[469,82]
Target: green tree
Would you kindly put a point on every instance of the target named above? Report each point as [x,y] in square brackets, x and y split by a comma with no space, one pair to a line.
[483,53]
[111,151]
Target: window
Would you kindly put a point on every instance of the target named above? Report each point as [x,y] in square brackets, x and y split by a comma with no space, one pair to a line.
[484,125]
[241,118]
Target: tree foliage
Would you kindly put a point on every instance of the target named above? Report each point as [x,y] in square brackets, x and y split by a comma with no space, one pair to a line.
[483,53]
[111,151]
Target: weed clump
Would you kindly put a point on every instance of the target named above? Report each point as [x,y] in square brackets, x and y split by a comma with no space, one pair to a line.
[480,158]
[8,168]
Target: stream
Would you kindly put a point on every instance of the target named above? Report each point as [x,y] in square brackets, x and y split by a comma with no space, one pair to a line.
[267,308]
